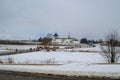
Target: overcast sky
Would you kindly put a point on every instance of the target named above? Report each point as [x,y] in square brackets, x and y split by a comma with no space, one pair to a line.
[24,19]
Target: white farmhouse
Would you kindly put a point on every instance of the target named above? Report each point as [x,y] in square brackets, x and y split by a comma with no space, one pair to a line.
[64,41]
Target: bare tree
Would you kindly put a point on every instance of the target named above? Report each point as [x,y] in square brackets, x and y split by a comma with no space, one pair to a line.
[111,51]
[46,41]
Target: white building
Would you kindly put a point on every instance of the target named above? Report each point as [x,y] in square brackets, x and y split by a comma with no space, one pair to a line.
[65,41]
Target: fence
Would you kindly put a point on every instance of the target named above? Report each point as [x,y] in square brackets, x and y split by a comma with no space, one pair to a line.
[10,52]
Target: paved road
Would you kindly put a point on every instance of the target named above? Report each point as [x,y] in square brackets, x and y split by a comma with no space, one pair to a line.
[8,75]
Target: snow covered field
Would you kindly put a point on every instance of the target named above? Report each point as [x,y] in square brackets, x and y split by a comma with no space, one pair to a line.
[10,47]
[92,49]
[3,50]
[54,58]
[63,63]
[72,63]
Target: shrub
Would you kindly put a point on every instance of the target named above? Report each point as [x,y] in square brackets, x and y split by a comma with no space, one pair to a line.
[1,61]
[10,60]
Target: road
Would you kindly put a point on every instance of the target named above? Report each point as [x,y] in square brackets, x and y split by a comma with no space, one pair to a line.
[10,75]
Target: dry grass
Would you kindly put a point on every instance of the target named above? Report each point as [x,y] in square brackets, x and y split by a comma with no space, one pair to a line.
[108,63]
[34,64]
[10,60]
[1,61]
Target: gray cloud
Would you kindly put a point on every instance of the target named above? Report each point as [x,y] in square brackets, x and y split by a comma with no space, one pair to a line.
[34,18]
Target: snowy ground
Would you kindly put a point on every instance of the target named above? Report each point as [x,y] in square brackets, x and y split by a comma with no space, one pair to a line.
[54,58]
[11,47]
[75,69]
[73,63]
[3,50]
[68,63]
[92,49]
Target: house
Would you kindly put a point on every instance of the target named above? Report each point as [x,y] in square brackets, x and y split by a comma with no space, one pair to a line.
[65,41]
